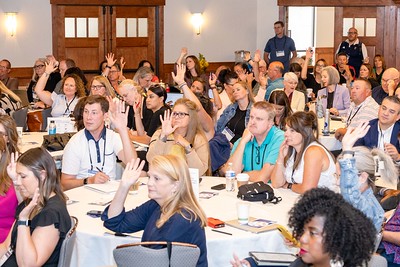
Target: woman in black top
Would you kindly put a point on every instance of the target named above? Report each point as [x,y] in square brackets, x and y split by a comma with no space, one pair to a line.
[312,80]
[42,219]
[155,101]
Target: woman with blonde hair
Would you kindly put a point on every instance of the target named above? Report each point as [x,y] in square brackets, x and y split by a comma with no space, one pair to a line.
[42,219]
[181,133]
[236,116]
[172,213]
[9,101]
[101,86]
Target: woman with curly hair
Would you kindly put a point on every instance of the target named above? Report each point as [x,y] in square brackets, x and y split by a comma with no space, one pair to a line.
[331,232]
[72,89]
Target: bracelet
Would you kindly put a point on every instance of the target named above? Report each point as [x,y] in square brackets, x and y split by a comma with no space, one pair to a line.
[182,85]
[46,74]
[344,152]
[108,67]
[289,186]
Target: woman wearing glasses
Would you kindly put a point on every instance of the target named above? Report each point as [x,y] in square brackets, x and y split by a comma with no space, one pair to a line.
[303,162]
[62,104]
[155,101]
[181,134]
[101,86]
[38,70]
[313,80]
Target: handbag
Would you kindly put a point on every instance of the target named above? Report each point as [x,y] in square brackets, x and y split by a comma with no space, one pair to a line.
[34,120]
[56,142]
[258,191]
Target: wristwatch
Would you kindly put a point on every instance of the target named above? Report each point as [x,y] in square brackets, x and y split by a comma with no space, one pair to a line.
[188,148]
[24,222]
[85,181]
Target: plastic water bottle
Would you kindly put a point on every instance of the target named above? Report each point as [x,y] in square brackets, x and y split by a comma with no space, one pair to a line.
[325,131]
[52,127]
[230,178]
[320,108]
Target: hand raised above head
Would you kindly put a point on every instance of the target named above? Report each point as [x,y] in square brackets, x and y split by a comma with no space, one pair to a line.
[179,78]
[118,113]
[12,167]
[132,172]
[184,51]
[110,59]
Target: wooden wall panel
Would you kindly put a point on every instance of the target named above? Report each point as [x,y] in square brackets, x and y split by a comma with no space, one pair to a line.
[326,53]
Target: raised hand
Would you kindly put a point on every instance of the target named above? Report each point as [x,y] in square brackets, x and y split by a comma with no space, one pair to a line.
[212,79]
[257,56]
[309,53]
[110,59]
[119,116]
[12,167]
[166,124]
[263,80]
[132,172]
[184,51]
[179,78]
[353,134]
[50,67]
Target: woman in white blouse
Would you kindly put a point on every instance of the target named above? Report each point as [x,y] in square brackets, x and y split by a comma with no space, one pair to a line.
[296,98]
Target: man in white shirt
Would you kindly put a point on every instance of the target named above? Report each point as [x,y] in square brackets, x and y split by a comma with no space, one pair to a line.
[90,155]
[362,108]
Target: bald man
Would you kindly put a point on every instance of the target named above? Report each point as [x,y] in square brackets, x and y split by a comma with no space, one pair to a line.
[390,81]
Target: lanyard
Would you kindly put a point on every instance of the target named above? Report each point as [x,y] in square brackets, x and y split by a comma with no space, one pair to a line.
[284,43]
[98,159]
[350,118]
[258,151]
[67,111]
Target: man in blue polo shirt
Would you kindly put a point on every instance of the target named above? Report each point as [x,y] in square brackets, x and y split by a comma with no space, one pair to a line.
[256,152]
[280,47]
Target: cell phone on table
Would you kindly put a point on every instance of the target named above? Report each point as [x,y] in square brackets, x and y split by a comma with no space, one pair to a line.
[218,187]
[286,234]
[94,213]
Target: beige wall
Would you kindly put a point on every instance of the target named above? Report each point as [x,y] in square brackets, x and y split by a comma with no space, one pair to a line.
[229,25]
[324,26]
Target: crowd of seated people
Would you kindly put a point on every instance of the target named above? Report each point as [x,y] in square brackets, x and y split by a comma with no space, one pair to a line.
[270,136]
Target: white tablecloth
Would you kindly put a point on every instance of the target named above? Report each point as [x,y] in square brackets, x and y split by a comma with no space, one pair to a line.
[330,142]
[94,247]
[35,139]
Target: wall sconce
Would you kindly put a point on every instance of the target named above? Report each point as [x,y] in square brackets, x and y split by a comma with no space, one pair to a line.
[11,23]
[197,21]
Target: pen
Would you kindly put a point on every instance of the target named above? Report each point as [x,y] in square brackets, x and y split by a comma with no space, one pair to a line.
[99,169]
[219,231]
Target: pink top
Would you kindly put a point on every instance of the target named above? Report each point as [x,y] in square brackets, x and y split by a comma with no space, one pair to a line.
[8,206]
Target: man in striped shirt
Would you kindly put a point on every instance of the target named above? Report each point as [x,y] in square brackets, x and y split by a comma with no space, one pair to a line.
[362,108]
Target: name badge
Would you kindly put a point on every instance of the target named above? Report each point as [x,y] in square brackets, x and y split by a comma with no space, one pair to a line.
[228,133]
[280,53]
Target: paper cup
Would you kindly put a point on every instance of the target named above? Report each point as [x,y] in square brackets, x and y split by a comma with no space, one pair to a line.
[309,92]
[242,178]
[243,209]
[19,131]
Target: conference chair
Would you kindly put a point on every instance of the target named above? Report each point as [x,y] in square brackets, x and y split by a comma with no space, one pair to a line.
[19,117]
[175,254]
[68,245]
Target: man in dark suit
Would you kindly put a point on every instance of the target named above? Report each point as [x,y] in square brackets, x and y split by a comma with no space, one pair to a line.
[384,131]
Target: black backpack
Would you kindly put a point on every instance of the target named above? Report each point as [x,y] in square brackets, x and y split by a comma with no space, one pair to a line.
[258,191]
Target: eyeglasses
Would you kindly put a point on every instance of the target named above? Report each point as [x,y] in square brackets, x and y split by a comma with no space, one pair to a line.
[112,71]
[38,66]
[351,32]
[179,115]
[320,65]
[97,87]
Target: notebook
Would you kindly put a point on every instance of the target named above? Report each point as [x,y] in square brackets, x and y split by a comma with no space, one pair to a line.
[106,188]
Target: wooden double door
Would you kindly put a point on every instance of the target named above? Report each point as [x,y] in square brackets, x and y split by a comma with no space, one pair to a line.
[87,30]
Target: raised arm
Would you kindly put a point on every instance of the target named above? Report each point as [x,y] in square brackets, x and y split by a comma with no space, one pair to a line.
[119,119]
[304,69]
[255,61]
[129,177]
[45,96]
[182,56]
[206,121]
[110,62]
[217,100]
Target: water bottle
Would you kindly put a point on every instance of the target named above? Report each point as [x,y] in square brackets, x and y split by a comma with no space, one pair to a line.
[52,127]
[320,108]
[325,131]
[230,178]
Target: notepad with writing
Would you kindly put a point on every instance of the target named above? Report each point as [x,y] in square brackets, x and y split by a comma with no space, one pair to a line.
[106,188]
[254,225]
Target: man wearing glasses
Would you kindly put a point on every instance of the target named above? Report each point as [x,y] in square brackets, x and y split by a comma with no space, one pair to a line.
[5,69]
[390,81]
[355,50]
[257,150]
